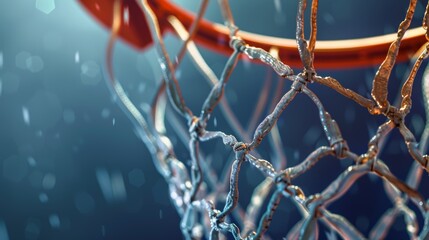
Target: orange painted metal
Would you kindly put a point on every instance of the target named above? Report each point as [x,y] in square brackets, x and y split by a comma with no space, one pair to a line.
[335,54]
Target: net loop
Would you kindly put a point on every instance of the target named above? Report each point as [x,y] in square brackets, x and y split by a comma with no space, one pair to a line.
[298,83]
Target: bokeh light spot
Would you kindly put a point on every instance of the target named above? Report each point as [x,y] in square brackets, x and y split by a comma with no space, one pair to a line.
[45,6]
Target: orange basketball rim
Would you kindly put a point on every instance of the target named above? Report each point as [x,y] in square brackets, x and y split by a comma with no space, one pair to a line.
[360,52]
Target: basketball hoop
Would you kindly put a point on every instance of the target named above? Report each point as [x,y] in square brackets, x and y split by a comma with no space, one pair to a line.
[334,54]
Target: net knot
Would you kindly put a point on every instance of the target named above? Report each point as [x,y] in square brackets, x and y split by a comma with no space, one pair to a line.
[240,147]
[298,82]
[314,201]
[282,177]
[237,44]
[395,115]
[196,127]
[368,158]
[295,191]
[309,74]
[214,220]
[340,148]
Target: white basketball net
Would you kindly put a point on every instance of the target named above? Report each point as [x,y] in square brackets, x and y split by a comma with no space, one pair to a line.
[197,193]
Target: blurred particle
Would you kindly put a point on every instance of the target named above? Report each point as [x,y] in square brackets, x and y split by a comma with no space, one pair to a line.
[160,214]
[126,15]
[52,41]
[389,29]
[76,57]
[178,74]
[39,133]
[296,154]
[372,177]
[54,221]
[145,107]
[372,128]
[49,181]
[312,135]
[232,95]
[45,109]
[105,113]
[321,142]
[3,231]
[84,203]
[114,98]
[141,87]
[417,123]
[43,198]
[278,5]
[75,149]
[1,86]
[369,77]
[328,18]
[247,65]
[103,230]
[350,114]
[34,64]
[331,235]
[45,6]
[1,60]
[90,73]
[136,177]
[32,230]
[31,161]
[215,121]
[112,185]
[69,116]
[10,83]
[14,169]
[118,186]
[279,17]
[401,70]
[198,231]
[113,121]
[21,60]
[26,116]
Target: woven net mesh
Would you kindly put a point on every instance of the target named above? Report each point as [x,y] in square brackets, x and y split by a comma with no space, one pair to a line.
[208,204]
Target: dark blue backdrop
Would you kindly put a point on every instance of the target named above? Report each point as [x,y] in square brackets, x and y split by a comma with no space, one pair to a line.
[72,167]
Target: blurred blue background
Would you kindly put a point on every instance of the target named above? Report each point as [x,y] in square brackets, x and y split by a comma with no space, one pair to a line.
[72,167]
